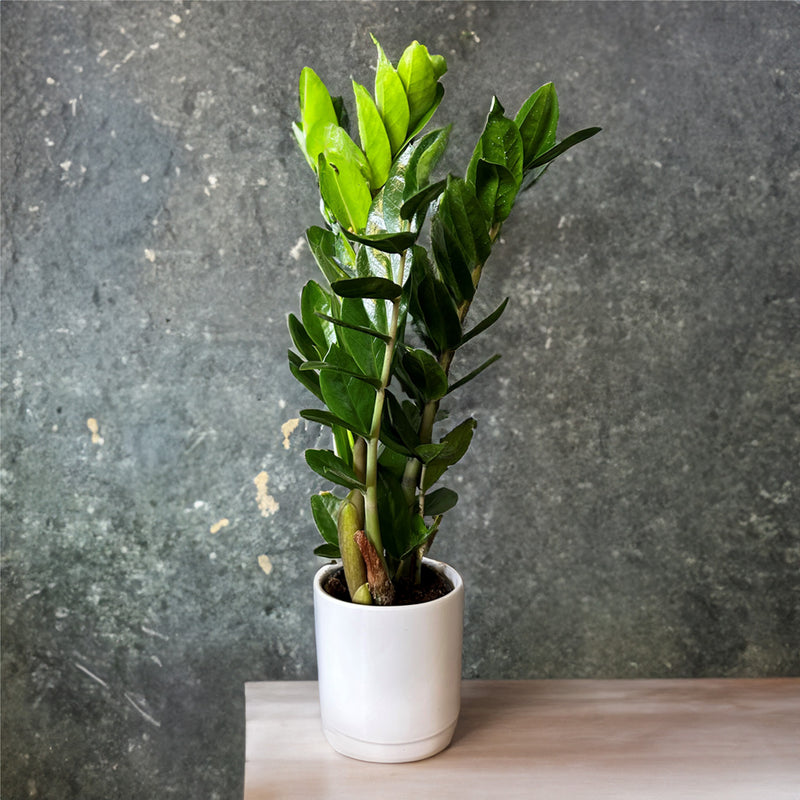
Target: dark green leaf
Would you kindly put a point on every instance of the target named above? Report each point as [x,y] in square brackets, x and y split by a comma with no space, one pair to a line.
[439,502]
[423,198]
[474,373]
[367,288]
[302,341]
[485,323]
[325,509]
[439,314]
[308,379]
[361,339]
[427,376]
[330,420]
[328,551]
[428,452]
[362,329]
[456,445]
[327,464]
[348,397]
[454,264]
[422,158]
[563,146]
[537,121]
[399,423]
[313,300]
[397,242]
[324,365]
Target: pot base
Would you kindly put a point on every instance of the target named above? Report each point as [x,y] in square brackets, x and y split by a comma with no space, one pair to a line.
[390,753]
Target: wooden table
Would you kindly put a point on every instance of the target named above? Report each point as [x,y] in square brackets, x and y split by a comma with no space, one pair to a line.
[572,739]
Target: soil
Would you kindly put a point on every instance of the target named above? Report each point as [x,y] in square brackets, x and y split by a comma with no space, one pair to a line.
[433,586]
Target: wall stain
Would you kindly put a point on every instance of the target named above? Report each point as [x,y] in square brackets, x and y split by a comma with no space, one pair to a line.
[94,427]
[265,564]
[218,526]
[287,429]
[267,504]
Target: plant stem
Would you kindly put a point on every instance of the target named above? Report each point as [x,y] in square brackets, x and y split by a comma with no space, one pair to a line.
[371,519]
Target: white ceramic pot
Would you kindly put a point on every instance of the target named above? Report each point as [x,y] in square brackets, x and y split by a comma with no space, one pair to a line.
[389,677]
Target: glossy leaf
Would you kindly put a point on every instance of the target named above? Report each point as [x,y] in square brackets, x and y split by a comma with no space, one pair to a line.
[422,199]
[485,323]
[321,366]
[367,287]
[339,149]
[345,192]
[399,422]
[474,373]
[438,314]
[365,344]
[316,105]
[349,398]
[419,80]
[327,464]
[390,96]
[563,146]
[414,130]
[454,264]
[322,244]
[313,299]
[440,502]
[422,158]
[330,420]
[326,550]
[360,328]
[325,509]
[302,341]
[537,121]
[394,242]
[427,376]
[308,379]
[456,445]
[374,139]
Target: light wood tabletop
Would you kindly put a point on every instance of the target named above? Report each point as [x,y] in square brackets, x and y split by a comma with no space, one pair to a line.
[729,739]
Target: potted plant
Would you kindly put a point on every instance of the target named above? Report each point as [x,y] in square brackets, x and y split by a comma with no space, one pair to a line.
[375,341]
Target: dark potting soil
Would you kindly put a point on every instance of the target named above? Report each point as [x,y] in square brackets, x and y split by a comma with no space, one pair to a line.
[433,586]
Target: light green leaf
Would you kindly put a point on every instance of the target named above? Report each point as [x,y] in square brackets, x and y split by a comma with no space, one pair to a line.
[338,147]
[345,192]
[419,80]
[374,139]
[390,95]
[312,300]
[316,105]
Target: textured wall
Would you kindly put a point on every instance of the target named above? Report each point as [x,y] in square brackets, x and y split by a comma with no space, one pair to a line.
[630,504]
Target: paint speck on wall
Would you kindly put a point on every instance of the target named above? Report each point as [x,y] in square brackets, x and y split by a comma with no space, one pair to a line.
[149,255]
[218,526]
[265,564]
[287,429]
[267,504]
[94,428]
[298,248]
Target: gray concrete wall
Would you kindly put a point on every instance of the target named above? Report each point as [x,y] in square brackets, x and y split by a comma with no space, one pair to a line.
[630,504]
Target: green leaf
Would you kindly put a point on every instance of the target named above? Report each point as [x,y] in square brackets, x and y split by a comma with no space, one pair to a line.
[345,192]
[325,365]
[424,371]
[454,264]
[474,373]
[390,95]
[302,341]
[456,445]
[537,121]
[395,242]
[330,420]
[360,338]
[413,130]
[327,464]
[423,157]
[485,323]
[439,502]
[308,379]
[326,550]
[324,509]
[339,149]
[360,328]
[419,80]
[374,139]
[312,300]
[322,243]
[367,287]
[398,422]
[424,197]
[495,169]
[432,305]
[316,105]
[349,397]
[563,146]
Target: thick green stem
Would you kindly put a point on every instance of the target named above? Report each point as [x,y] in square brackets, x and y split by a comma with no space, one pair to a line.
[371,519]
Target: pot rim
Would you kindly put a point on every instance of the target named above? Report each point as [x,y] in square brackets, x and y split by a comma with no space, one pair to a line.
[355,608]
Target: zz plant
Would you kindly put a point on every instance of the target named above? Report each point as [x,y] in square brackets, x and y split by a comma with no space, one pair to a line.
[376,339]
